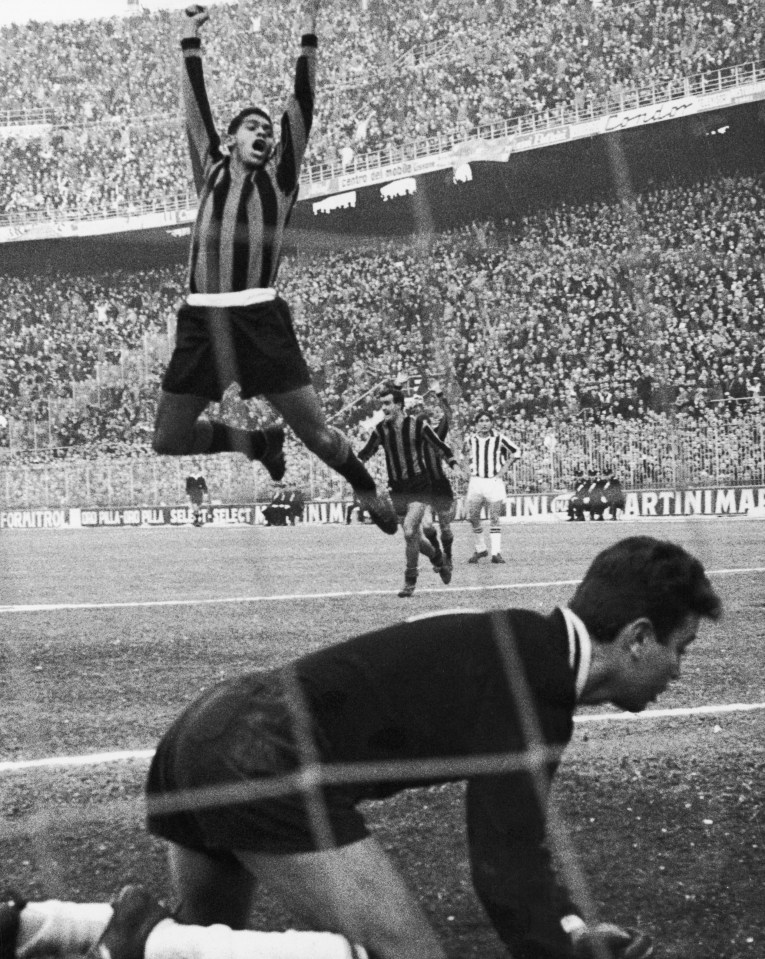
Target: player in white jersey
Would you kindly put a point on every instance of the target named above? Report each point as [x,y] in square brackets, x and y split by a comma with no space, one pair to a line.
[491,457]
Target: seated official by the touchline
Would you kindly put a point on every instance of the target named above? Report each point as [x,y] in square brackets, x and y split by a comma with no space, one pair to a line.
[487,698]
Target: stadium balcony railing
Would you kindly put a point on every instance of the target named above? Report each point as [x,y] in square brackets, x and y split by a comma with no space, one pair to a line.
[26,117]
[653,94]
[644,454]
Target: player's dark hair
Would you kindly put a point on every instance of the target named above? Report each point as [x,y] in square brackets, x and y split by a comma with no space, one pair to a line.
[480,415]
[643,577]
[395,393]
[242,116]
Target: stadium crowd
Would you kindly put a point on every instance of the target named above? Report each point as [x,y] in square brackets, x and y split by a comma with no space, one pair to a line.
[392,72]
[602,313]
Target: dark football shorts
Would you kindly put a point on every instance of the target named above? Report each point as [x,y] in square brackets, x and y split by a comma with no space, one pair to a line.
[442,496]
[238,737]
[254,346]
[414,490]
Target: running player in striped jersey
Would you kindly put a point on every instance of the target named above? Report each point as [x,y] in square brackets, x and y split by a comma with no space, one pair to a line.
[233,327]
[438,411]
[491,457]
[404,440]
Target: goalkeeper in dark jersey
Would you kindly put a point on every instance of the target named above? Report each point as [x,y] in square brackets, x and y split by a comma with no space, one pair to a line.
[234,327]
[262,777]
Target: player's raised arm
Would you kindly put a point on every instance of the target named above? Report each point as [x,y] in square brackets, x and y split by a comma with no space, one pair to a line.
[298,117]
[204,142]
[444,424]
[445,451]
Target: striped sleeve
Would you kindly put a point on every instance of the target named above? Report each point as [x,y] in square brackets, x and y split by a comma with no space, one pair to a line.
[430,437]
[298,117]
[204,141]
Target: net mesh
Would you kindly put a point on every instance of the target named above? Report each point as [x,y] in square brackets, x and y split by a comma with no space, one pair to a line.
[35,817]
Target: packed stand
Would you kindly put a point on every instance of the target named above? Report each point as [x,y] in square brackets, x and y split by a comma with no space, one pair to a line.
[393,73]
[600,315]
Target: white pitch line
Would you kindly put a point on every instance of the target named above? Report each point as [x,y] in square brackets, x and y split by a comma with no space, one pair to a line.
[291,597]
[95,759]
[677,711]
[278,598]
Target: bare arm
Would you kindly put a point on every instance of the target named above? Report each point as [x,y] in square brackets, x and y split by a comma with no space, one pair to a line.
[370,447]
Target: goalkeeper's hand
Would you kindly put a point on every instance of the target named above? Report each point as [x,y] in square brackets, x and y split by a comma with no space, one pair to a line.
[607,941]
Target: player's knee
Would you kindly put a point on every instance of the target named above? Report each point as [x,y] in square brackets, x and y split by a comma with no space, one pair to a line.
[328,444]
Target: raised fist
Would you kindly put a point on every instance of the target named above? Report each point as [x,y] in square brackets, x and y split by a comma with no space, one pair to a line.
[195,17]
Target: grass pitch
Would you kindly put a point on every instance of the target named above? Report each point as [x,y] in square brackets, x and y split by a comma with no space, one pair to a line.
[107,634]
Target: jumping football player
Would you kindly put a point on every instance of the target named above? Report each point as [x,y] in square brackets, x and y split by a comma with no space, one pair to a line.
[233,326]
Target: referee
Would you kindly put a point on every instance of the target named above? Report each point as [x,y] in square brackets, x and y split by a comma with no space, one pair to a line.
[491,457]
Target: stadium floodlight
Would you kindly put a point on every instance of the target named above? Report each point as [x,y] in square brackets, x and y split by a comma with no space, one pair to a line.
[463,173]
[340,201]
[403,187]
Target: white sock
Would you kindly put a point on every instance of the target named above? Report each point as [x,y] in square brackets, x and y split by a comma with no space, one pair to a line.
[480,544]
[60,928]
[496,542]
[172,940]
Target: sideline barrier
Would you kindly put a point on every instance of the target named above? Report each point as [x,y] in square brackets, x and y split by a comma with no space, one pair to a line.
[707,502]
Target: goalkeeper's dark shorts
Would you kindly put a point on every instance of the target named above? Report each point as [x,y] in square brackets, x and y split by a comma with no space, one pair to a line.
[214,782]
[254,346]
